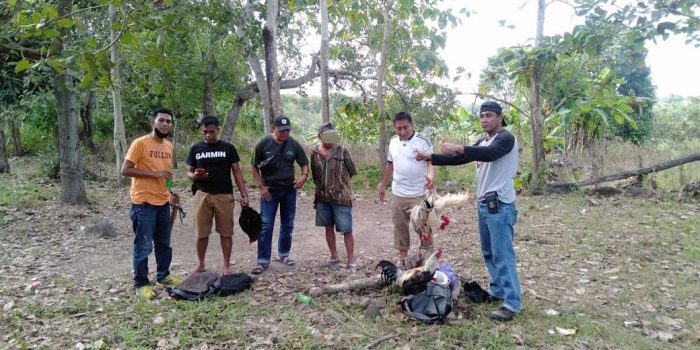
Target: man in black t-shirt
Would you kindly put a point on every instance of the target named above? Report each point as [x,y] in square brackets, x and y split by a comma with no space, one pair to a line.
[273,170]
[211,163]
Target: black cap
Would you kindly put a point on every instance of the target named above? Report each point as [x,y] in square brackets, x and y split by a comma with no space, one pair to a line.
[490,106]
[282,123]
[325,127]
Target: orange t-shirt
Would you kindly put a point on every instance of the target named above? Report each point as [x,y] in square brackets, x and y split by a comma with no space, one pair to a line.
[148,154]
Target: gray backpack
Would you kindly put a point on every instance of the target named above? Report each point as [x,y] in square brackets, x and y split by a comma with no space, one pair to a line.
[431,306]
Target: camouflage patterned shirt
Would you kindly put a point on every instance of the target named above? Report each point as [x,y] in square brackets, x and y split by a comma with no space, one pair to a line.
[332,176]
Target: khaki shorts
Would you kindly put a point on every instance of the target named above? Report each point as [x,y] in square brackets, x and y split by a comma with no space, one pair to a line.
[218,207]
[400,216]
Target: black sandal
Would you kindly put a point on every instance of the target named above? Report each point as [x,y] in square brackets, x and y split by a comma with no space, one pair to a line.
[259,269]
[287,261]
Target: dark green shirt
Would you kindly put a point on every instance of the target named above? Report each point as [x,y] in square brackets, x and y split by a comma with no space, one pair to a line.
[276,162]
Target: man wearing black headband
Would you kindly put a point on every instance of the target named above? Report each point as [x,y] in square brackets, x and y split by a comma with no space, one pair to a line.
[496,157]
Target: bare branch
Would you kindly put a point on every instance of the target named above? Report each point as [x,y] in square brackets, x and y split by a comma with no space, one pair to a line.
[495,99]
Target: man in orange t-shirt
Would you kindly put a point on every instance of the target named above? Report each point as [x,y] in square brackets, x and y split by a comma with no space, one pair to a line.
[148,163]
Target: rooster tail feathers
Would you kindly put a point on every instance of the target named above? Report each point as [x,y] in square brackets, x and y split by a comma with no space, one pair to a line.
[450,200]
[390,272]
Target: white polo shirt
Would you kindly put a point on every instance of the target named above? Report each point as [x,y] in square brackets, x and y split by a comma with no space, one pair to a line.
[409,173]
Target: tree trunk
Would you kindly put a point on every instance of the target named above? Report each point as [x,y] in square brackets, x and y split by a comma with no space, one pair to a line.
[255,66]
[269,35]
[264,93]
[536,117]
[381,77]
[119,141]
[232,118]
[4,162]
[557,186]
[86,113]
[208,94]
[72,189]
[351,286]
[325,104]
[16,138]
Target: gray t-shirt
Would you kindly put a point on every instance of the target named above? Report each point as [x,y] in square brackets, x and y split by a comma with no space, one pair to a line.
[497,164]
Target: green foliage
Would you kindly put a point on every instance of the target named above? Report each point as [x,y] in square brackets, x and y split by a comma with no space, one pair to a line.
[676,118]
[367,178]
[50,167]
[587,79]
[651,19]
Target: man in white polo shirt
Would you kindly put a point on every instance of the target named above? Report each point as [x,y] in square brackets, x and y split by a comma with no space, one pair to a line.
[410,177]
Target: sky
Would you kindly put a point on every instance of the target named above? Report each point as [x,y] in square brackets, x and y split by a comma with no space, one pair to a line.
[674,65]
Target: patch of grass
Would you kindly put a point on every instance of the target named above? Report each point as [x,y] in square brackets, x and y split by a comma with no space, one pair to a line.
[367,178]
[19,193]
[691,238]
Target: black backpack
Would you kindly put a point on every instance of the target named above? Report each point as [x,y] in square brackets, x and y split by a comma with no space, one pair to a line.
[430,306]
[232,284]
[200,285]
[196,286]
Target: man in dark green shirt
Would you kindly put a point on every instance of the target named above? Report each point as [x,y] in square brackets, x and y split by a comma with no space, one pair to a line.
[273,170]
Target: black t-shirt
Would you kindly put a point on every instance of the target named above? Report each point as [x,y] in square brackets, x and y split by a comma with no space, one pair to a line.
[217,160]
[276,162]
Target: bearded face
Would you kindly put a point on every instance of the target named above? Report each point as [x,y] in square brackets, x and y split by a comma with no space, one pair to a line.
[162,125]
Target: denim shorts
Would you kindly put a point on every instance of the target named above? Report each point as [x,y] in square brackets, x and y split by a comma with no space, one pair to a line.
[328,214]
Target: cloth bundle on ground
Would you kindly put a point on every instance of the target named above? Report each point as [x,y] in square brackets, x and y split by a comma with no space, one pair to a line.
[475,293]
[200,285]
[431,306]
[251,223]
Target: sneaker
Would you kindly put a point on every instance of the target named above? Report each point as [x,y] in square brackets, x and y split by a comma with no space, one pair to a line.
[146,292]
[502,315]
[169,281]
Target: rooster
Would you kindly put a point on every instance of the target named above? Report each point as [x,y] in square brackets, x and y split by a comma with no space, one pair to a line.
[414,280]
[427,215]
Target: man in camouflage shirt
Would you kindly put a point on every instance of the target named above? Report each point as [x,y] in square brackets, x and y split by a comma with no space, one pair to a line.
[331,169]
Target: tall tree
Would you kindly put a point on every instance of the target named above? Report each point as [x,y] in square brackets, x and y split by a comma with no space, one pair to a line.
[325,99]
[119,135]
[4,162]
[381,77]
[87,117]
[269,35]
[72,189]
[536,117]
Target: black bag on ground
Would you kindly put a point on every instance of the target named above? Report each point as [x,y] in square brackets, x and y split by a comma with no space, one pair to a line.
[196,286]
[430,306]
[232,284]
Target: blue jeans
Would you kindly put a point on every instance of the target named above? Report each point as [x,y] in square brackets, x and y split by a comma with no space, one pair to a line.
[286,200]
[496,233]
[151,224]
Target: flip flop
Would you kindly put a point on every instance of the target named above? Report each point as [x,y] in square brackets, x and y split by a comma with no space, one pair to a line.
[332,262]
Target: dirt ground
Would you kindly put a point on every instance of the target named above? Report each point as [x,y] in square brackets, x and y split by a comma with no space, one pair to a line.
[55,241]
[631,262]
